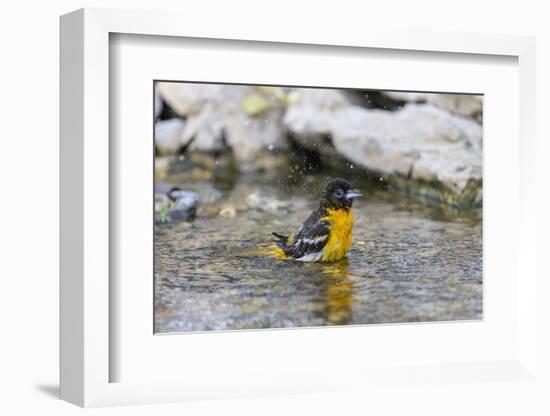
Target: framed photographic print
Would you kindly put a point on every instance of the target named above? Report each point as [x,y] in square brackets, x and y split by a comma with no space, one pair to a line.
[287,213]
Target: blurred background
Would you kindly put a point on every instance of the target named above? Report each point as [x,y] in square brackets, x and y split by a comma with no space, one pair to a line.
[428,145]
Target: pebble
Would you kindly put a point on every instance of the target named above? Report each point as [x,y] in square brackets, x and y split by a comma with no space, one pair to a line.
[229,212]
[208,211]
[258,200]
[185,207]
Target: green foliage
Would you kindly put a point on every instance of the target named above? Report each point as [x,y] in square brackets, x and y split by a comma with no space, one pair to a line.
[276,92]
[292,97]
[254,105]
[164,216]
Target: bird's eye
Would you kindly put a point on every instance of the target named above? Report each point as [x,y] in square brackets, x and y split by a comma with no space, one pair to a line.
[339,193]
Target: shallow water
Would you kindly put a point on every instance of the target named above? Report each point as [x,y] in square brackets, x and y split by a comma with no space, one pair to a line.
[409,262]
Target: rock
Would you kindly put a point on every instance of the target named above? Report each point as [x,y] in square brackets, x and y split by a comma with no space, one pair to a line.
[205,130]
[207,211]
[255,200]
[465,104]
[245,118]
[258,200]
[228,211]
[420,142]
[421,147]
[311,117]
[169,136]
[162,166]
[176,194]
[176,205]
[158,105]
[184,207]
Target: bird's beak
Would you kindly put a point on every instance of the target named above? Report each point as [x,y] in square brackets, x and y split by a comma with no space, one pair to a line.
[352,193]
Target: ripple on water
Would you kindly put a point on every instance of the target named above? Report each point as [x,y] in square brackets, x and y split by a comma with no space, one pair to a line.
[409,262]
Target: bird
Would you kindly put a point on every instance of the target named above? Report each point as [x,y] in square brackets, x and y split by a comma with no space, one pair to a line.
[325,236]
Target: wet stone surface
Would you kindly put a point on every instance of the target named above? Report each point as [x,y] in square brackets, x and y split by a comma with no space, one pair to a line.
[409,262]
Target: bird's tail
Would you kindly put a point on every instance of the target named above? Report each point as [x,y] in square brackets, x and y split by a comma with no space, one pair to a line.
[281,242]
[265,250]
[280,238]
[271,250]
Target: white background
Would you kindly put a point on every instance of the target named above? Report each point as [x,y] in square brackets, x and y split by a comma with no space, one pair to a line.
[136,62]
[29,224]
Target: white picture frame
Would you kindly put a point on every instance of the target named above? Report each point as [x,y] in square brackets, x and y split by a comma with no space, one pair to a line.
[86,305]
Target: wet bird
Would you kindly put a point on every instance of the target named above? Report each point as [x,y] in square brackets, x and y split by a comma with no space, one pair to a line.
[326,235]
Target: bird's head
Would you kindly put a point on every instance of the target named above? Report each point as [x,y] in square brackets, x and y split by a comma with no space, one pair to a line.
[338,194]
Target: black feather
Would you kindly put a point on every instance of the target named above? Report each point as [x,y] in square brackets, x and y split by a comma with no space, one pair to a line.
[280,237]
[309,238]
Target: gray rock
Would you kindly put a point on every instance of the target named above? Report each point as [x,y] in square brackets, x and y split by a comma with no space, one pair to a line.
[176,194]
[169,136]
[184,207]
[216,116]
[261,201]
[311,118]
[206,192]
[465,104]
[176,205]
[422,147]
[419,142]
[158,104]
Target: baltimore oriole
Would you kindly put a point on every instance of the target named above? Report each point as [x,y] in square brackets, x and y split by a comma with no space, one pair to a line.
[326,234]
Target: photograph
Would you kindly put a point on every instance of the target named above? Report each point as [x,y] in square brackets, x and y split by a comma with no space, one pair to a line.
[282,206]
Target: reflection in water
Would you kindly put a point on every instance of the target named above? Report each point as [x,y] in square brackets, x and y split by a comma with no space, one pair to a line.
[338,292]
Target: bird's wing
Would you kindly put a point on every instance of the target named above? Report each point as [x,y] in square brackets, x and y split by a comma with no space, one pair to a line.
[311,238]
